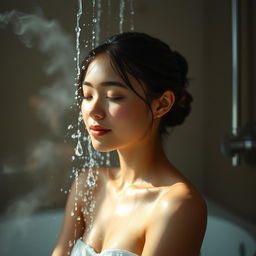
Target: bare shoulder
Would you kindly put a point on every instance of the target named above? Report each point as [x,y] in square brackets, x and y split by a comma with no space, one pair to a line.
[177,223]
[178,194]
[182,197]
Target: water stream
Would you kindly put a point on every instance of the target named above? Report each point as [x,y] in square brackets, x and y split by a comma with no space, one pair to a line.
[92,159]
[121,15]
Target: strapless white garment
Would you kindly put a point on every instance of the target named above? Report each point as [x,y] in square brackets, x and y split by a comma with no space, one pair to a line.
[82,249]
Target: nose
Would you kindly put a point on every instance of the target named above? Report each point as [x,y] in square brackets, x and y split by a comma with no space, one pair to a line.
[96,110]
[97,116]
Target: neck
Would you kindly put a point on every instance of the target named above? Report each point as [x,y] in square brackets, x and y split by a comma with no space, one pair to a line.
[138,162]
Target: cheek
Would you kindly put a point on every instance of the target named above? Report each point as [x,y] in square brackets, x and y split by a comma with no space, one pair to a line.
[130,112]
[84,111]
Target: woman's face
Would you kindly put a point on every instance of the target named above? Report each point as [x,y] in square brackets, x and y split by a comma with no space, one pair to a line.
[114,115]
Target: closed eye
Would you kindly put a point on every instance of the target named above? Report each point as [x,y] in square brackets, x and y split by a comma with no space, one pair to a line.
[87,97]
[115,98]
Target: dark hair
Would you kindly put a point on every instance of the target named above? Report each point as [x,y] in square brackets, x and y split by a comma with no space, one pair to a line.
[151,62]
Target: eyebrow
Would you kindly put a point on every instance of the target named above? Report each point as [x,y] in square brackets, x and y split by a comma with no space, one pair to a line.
[107,83]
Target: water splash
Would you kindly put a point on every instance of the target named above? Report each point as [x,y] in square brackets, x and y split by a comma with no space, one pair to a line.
[79,153]
[92,159]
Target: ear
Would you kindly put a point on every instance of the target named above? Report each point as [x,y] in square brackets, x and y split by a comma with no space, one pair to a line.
[163,104]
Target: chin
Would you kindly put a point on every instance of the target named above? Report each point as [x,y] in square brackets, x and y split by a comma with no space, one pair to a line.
[101,147]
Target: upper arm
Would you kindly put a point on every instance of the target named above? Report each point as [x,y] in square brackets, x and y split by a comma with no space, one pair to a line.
[177,226]
[73,224]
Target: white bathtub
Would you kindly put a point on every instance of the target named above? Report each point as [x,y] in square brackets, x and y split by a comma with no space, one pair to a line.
[36,235]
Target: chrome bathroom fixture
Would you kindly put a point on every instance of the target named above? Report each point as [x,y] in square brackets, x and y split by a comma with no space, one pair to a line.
[242,141]
[243,144]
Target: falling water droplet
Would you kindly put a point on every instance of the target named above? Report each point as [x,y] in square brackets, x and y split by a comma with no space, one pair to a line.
[80,118]
[79,149]
[70,127]
[78,132]
[91,181]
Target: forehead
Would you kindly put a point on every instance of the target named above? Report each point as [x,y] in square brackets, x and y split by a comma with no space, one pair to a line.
[100,69]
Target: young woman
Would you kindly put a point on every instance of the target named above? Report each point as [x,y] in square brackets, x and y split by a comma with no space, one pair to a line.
[133,88]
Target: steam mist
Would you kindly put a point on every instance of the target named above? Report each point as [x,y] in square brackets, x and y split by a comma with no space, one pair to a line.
[36,30]
[45,157]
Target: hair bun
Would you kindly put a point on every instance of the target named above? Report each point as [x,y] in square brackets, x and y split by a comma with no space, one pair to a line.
[182,63]
[183,99]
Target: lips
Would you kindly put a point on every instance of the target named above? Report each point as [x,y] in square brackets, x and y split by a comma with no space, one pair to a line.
[97,130]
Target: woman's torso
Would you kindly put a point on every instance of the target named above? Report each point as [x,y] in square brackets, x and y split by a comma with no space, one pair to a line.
[121,216]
